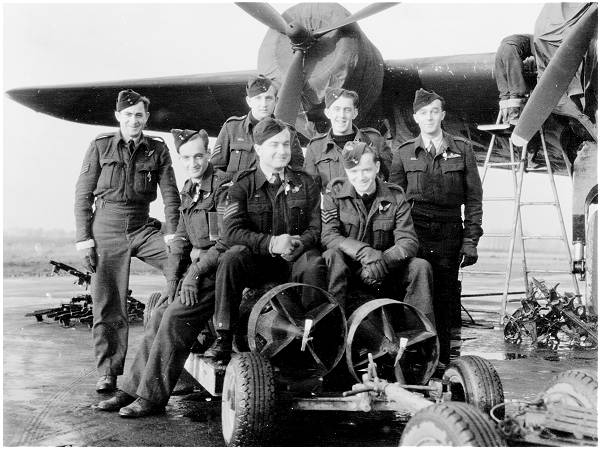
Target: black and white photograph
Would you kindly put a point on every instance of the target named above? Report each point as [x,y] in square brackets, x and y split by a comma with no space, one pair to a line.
[300,225]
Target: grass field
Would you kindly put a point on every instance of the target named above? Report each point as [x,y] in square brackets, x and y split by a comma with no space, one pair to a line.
[28,252]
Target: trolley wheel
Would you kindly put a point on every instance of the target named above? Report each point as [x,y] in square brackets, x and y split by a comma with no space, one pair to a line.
[451,424]
[377,328]
[151,304]
[474,380]
[248,400]
[573,388]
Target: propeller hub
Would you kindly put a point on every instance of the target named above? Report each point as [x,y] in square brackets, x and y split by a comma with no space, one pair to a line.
[301,38]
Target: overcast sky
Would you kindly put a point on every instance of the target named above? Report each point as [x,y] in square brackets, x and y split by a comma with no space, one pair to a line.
[47,44]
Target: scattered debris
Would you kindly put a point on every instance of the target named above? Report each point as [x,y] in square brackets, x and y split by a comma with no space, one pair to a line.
[79,309]
[551,319]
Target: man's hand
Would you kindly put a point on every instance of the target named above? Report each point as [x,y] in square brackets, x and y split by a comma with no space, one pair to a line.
[468,254]
[89,259]
[281,244]
[169,293]
[188,294]
[367,255]
[296,252]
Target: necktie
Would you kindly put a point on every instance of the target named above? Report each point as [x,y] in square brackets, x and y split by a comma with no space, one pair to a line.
[277,180]
[131,147]
[432,149]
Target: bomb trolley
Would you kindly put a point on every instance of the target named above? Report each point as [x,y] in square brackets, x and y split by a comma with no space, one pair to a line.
[291,359]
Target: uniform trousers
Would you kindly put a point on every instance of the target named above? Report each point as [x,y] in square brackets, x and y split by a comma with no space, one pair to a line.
[509,72]
[239,268]
[439,244]
[410,281]
[120,233]
[168,338]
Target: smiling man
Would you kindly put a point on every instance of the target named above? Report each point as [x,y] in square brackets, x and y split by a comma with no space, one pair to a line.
[369,235]
[273,213]
[119,177]
[234,148]
[175,324]
[439,173]
[323,153]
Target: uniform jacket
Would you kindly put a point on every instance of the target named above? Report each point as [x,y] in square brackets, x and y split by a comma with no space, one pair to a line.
[198,225]
[438,186]
[324,157]
[234,148]
[251,217]
[110,173]
[387,226]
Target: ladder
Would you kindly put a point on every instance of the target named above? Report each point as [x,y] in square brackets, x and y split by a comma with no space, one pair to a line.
[518,171]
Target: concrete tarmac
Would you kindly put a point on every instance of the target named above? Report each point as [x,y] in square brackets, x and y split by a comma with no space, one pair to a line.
[49,379]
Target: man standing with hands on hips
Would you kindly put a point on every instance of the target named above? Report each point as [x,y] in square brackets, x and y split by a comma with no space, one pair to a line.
[439,173]
[119,176]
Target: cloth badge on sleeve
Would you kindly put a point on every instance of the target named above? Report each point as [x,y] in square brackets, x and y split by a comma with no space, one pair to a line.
[328,215]
[230,210]
[85,168]
[216,150]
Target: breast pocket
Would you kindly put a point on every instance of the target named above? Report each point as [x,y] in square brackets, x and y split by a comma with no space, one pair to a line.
[111,175]
[198,225]
[241,157]
[145,178]
[415,174]
[453,172]
[383,234]
[329,168]
[260,215]
[350,223]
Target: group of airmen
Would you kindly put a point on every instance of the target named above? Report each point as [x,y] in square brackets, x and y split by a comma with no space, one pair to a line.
[349,214]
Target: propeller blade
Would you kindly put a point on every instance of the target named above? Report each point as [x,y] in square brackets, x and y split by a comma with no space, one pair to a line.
[556,78]
[266,14]
[289,95]
[362,14]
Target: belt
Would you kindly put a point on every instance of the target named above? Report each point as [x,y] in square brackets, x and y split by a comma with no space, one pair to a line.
[435,213]
[123,206]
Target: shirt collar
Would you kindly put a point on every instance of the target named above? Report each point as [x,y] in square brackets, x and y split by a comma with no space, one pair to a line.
[142,140]
[205,182]
[268,175]
[437,141]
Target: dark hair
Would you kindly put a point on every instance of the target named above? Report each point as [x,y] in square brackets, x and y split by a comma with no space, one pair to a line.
[146,102]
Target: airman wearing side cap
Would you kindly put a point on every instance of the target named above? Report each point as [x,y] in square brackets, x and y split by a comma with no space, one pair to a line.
[272,225]
[119,176]
[439,174]
[179,318]
[323,153]
[234,148]
[369,235]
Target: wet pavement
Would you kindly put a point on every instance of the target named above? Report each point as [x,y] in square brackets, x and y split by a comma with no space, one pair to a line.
[49,382]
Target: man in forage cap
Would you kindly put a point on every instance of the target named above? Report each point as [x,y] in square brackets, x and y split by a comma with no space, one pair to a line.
[119,178]
[324,150]
[438,172]
[368,232]
[234,148]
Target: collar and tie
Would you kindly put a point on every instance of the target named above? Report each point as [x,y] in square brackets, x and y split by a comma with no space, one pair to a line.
[432,149]
[275,180]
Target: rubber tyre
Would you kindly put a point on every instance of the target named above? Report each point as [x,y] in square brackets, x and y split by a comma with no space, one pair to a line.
[574,388]
[248,400]
[474,380]
[451,424]
[150,305]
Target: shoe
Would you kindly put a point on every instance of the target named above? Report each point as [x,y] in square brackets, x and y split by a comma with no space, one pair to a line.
[106,384]
[140,408]
[221,348]
[119,400]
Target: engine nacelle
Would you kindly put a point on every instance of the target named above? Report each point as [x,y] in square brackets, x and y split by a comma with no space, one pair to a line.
[342,58]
